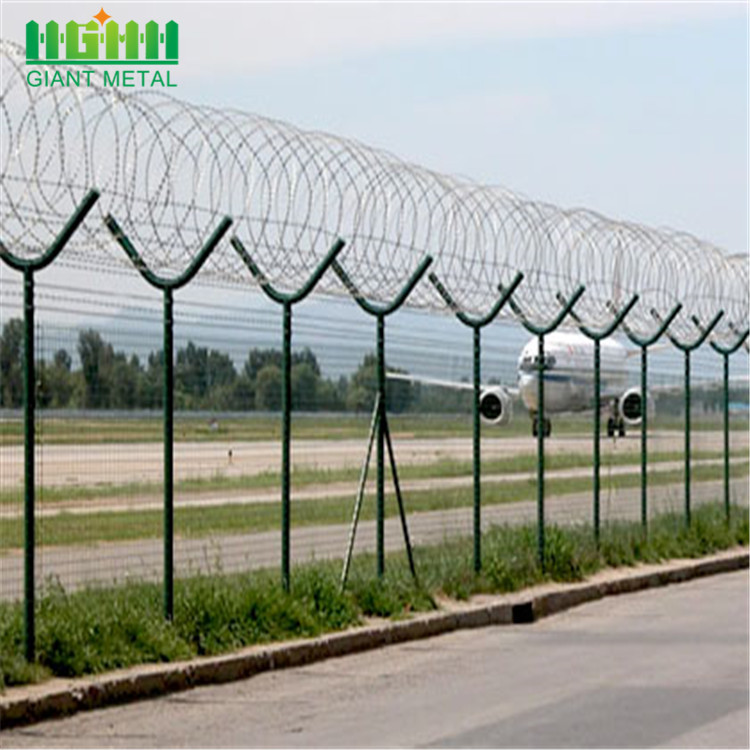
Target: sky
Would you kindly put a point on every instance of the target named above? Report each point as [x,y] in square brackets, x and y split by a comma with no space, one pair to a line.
[636,110]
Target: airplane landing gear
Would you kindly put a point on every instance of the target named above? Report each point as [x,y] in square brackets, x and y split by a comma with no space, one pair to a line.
[615,426]
[546,425]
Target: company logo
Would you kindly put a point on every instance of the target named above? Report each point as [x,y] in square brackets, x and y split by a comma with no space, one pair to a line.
[102,41]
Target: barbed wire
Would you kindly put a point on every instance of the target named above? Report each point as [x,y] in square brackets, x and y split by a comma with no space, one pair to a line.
[169,171]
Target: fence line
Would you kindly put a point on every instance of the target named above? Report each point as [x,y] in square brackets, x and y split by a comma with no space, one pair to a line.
[196,171]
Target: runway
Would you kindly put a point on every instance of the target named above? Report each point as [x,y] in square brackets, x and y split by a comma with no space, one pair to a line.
[108,563]
[245,496]
[126,463]
[129,463]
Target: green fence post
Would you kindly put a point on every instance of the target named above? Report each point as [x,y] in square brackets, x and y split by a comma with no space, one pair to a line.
[687,437]
[687,349]
[29,444]
[541,332]
[286,443]
[644,343]
[477,447]
[28,267]
[597,337]
[380,489]
[597,437]
[168,287]
[287,300]
[168,419]
[725,353]
[725,405]
[644,434]
[380,312]
[476,324]
[540,453]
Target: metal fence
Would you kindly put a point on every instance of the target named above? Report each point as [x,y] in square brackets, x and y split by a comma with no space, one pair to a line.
[190,196]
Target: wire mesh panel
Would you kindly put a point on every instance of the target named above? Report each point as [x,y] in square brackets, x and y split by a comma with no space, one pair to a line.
[96,470]
[739,427]
[115,465]
[11,437]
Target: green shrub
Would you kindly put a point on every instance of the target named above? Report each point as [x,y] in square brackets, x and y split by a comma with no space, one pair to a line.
[100,629]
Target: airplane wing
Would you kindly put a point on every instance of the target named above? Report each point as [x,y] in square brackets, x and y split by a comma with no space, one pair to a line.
[458,385]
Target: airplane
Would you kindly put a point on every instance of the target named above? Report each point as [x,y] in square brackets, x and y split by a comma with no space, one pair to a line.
[568,383]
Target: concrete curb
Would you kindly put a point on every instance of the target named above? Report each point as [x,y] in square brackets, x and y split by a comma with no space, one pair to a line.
[56,698]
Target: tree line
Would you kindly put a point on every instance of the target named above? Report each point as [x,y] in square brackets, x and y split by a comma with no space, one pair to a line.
[204,379]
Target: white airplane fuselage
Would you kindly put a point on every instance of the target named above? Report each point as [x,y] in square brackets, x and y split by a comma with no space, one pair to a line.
[569,372]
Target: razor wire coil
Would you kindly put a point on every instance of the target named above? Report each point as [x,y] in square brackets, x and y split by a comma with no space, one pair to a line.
[169,171]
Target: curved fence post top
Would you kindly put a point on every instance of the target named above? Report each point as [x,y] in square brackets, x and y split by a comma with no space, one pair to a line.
[401,297]
[727,350]
[468,320]
[567,307]
[155,279]
[75,220]
[268,287]
[619,316]
[663,325]
[703,332]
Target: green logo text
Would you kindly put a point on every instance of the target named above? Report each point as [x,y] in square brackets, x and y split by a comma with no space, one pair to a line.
[99,42]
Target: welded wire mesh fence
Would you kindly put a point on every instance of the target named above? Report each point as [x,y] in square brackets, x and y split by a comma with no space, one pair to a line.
[99,434]
[150,392]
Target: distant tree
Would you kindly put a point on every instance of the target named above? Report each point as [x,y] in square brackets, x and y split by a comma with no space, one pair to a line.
[191,373]
[243,393]
[62,360]
[97,358]
[363,387]
[11,353]
[268,388]
[306,357]
[126,376]
[199,372]
[257,359]
[56,381]
[221,372]
[305,386]
[331,394]
[151,387]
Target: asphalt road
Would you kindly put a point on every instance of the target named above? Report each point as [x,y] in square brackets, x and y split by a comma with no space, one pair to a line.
[661,668]
[121,463]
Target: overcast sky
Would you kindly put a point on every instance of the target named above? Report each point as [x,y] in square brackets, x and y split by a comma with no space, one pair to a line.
[638,110]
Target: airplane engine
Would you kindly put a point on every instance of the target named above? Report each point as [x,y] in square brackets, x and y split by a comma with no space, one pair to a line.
[630,406]
[495,406]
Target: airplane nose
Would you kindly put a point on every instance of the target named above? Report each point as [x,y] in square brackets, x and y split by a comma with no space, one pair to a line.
[527,388]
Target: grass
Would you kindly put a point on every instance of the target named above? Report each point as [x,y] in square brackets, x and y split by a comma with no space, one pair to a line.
[104,428]
[307,476]
[197,522]
[253,427]
[100,629]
